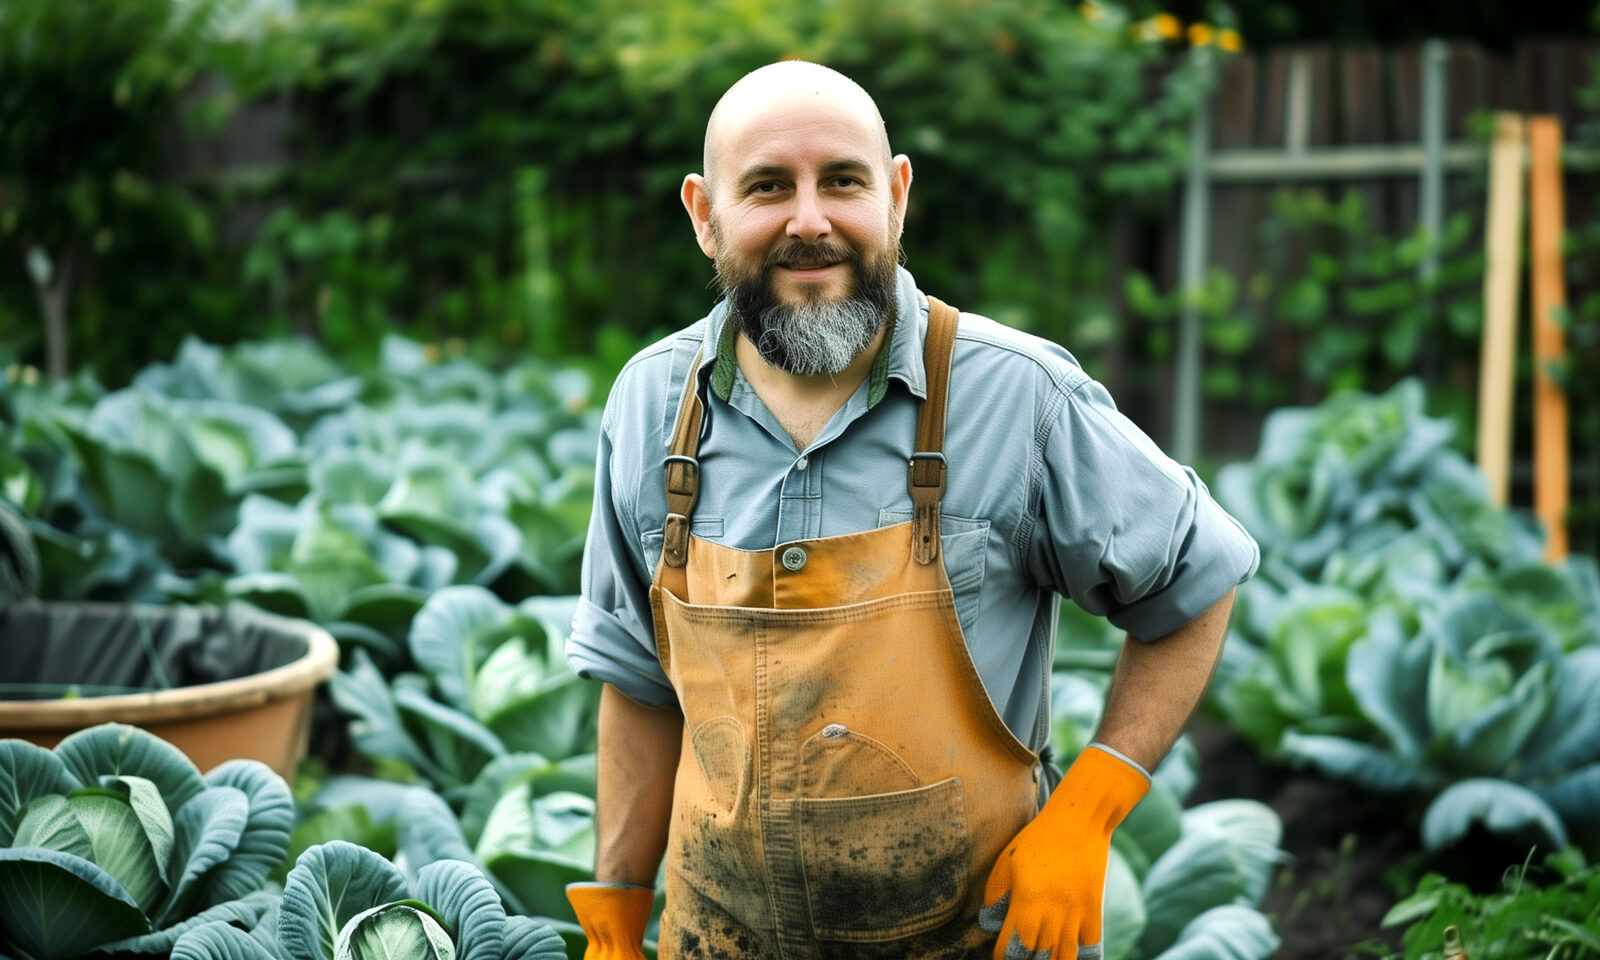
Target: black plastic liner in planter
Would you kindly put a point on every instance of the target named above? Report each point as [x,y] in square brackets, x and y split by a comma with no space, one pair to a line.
[51,651]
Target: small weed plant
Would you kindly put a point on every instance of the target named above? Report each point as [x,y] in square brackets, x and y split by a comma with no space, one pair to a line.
[1558,920]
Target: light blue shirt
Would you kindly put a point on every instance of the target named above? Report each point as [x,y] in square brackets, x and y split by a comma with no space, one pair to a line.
[1049,490]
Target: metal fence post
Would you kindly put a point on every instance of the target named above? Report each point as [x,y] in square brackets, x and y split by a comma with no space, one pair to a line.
[1191,272]
[1435,60]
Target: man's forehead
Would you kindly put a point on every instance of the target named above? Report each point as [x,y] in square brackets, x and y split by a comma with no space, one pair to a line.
[782,131]
[789,95]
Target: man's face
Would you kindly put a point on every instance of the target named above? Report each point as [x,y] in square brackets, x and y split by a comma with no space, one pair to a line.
[804,225]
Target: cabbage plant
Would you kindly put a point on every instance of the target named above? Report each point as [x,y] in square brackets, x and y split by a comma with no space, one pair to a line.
[345,902]
[494,682]
[527,822]
[1476,693]
[114,842]
[1479,707]
[270,473]
[1403,632]
[1357,471]
[444,473]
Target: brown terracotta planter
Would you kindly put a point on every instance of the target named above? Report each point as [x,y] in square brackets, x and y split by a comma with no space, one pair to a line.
[238,682]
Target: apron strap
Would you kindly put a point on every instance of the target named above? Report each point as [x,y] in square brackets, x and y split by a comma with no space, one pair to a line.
[683,471]
[927,468]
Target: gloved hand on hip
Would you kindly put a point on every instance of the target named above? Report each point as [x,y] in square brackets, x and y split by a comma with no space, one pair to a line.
[613,917]
[1044,894]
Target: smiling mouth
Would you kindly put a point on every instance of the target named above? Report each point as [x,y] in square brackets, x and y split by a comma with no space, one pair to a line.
[807,266]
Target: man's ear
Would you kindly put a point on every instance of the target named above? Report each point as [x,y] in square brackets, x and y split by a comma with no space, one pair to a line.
[900,187]
[697,201]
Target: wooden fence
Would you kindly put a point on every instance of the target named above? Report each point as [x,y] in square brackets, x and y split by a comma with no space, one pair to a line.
[1364,121]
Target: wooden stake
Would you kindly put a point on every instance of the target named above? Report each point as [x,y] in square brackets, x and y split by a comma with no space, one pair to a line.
[1551,463]
[1500,305]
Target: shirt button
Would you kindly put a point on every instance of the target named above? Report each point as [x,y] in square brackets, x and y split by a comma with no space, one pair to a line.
[793,559]
[802,463]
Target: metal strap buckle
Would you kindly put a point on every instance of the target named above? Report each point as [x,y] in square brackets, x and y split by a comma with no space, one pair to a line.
[920,475]
[690,474]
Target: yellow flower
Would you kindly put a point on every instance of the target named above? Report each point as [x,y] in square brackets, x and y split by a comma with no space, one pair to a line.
[1229,40]
[1091,11]
[1201,34]
[1167,26]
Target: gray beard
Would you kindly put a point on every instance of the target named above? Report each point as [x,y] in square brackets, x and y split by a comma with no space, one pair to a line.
[814,339]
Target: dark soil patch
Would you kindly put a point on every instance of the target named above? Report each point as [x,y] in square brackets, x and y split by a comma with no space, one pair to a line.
[1343,843]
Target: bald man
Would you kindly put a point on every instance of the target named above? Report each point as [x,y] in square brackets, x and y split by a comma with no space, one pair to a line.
[831,523]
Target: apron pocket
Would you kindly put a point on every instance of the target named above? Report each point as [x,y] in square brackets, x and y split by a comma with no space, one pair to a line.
[723,755]
[839,762]
[885,866]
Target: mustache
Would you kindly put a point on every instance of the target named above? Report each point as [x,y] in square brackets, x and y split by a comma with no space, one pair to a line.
[798,253]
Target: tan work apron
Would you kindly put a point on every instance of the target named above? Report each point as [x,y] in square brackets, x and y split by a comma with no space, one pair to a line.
[846,783]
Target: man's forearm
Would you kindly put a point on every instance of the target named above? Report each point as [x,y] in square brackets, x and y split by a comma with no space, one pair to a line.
[1157,685]
[637,763]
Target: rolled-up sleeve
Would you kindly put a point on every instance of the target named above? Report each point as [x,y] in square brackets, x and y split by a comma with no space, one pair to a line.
[613,637]
[1124,530]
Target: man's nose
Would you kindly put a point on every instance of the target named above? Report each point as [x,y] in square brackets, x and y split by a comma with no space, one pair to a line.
[808,221]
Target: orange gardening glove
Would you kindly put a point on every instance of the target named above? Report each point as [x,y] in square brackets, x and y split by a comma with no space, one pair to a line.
[1043,895]
[613,917]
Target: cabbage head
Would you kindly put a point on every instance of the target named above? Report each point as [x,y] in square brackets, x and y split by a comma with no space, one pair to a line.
[345,902]
[113,842]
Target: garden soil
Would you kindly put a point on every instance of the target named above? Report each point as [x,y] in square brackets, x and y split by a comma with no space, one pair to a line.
[1346,847]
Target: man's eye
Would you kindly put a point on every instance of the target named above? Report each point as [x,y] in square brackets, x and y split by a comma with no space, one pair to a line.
[765,187]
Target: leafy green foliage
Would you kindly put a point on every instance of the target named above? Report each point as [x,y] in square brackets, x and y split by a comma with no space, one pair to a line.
[1402,632]
[270,473]
[115,842]
[1350,300]
[89,94]
[516,138]
[1553,911]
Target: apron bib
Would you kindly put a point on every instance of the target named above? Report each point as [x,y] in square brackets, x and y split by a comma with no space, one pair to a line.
[846,783]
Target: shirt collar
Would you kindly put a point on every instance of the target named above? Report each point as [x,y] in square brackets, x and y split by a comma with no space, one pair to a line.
[901,361]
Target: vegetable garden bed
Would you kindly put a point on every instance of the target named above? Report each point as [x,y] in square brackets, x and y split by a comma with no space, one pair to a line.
[1406,687]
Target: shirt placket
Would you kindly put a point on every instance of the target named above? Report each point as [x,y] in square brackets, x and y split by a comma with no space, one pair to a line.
[800,504]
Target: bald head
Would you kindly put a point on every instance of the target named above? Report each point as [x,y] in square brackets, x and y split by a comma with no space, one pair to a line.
[791,85]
